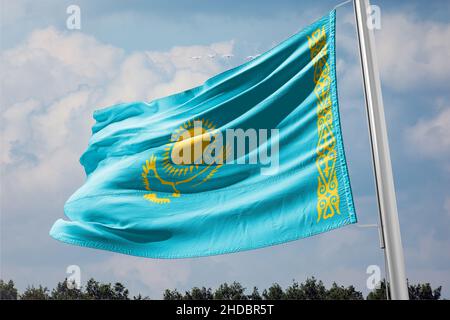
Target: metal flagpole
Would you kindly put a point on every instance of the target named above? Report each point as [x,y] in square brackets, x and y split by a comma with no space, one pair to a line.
[384,180]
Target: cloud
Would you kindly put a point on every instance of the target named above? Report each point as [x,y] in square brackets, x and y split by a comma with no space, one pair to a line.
[152,74]
[55,80]
[431,137]
[413,53]
[51,83]
[50,64]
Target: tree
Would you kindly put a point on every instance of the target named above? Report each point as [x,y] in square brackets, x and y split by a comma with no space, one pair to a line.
[423,292]
[235,291]
[35,293]
[172,295]
[311,289]
[65,292]
[254,295]
[293,292]
[275,292]
[380,292]
[120,292]
[199,294]
[102,291]
[341,293]
[7,290]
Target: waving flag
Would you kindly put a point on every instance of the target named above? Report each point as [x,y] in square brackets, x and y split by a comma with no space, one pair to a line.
[253,157]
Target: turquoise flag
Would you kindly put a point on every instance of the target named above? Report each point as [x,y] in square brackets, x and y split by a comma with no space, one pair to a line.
[253,157]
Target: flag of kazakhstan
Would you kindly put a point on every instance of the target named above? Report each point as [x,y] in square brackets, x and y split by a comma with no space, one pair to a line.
[253,157]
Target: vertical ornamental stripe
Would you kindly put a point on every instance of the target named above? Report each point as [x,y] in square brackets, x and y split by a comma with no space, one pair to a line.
[327,189]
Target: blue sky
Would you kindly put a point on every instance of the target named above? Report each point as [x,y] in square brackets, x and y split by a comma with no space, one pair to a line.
[53,78]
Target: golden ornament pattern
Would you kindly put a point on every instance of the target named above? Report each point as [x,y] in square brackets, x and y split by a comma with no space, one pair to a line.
[327,189]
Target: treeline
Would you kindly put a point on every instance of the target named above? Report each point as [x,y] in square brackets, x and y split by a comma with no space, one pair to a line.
[93,290]
[311,289]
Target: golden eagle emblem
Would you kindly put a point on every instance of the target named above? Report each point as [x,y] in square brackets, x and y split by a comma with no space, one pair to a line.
[183,160]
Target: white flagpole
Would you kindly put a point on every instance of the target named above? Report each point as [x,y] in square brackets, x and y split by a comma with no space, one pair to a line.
[384,180]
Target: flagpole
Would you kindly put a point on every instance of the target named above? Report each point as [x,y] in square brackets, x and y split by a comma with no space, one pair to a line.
[384,180]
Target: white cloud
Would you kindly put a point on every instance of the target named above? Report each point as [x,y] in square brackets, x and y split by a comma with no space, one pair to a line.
[11,131]
[82,54]
[431,137]
[54,80]
[51,84]
[149,75]
[50,64]
[413,53]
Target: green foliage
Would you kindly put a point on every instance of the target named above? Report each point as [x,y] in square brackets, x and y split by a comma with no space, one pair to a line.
[35,293]
[293,292]
[199,294]
[341,293]
[102,291]
[311,289]
[65,292]
[380,292]
[93,291]
[254,295]
[7,290]
[172,295]
[420,291]
[275,292]
[424,292]
[235,291]
[141,297]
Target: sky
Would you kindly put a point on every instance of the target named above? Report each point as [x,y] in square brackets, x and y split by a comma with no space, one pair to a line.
[53,78]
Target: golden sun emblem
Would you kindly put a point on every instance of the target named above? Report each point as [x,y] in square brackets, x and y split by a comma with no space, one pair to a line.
[183,161]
